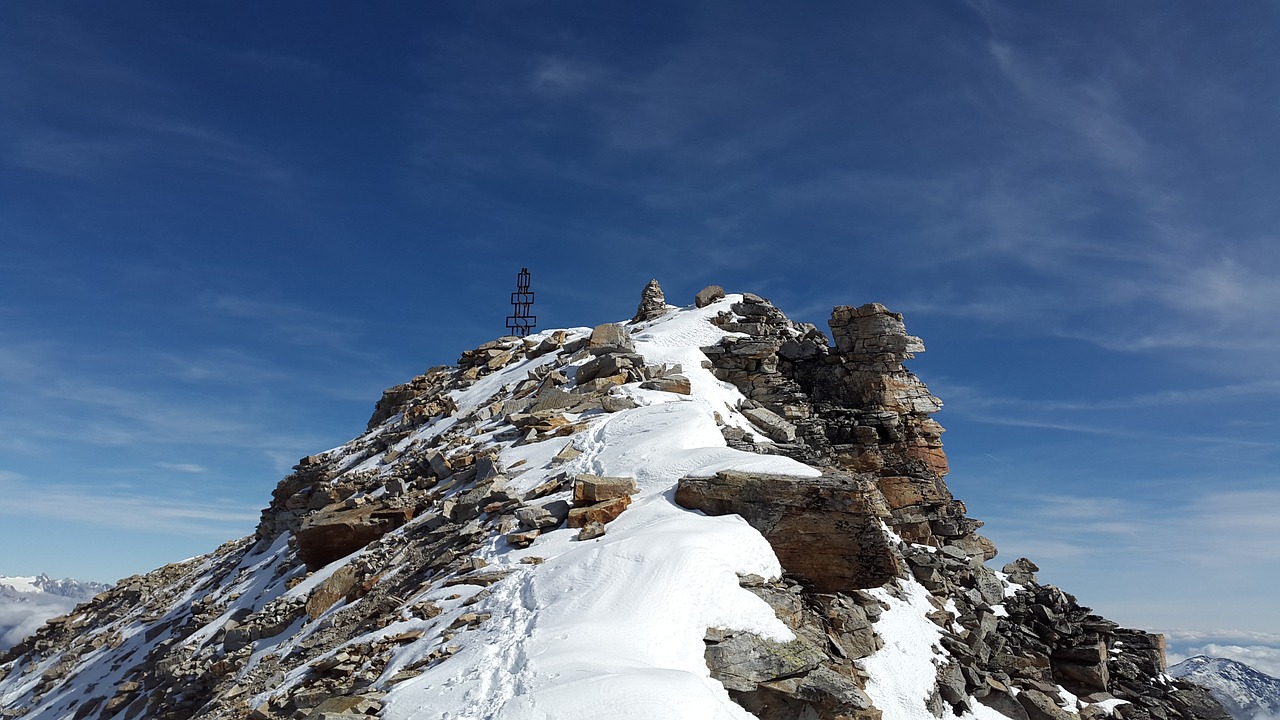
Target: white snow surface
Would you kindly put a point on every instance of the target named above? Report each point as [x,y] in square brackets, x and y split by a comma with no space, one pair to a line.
[20,583]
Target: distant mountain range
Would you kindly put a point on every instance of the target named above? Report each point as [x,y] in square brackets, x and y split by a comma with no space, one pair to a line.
[1245,692]
[27,601]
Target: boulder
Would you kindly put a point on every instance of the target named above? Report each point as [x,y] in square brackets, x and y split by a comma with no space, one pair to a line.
[591,531]
[771,424]
[826,530]
[1005,704]
[708,295]
[1040,706]
[609,338]
[743,661]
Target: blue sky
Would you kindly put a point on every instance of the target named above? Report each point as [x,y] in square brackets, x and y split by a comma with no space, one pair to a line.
[225,228]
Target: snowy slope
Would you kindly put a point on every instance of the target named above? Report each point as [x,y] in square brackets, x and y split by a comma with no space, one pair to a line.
[1245,692]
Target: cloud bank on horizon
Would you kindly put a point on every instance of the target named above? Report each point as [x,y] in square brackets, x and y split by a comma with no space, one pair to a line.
[225,232]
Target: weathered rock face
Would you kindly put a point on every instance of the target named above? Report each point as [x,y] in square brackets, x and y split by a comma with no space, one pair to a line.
[853,405]
[852,409]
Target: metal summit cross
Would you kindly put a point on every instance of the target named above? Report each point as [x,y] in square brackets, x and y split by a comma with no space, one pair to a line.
[520,322]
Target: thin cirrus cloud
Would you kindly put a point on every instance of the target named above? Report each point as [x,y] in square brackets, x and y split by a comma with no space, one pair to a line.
[143,512]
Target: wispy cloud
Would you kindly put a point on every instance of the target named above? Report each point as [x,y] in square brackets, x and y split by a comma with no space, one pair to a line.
[975,400]
[182,467]
[1223,536]
[293,322]
[146,512]
[126,116]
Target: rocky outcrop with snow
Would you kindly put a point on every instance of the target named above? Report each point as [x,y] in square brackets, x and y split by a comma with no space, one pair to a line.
[706,512]
[1246,693]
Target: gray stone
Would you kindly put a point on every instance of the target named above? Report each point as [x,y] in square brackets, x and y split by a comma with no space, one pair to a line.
[536,518]
[708,295]
[1005,704]
[1021,571]
[951,685]
[617,403]
[771,424]
[1040,706]
[743,661]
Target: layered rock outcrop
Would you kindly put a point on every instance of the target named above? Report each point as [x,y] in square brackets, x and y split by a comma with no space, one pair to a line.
[853,406]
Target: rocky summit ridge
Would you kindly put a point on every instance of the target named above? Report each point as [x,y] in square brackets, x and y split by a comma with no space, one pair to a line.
[705,512]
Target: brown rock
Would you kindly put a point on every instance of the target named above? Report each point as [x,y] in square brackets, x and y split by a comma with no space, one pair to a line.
[678,384]
[334,588]
[589,489]
[708,295]
[603,513]
[522,539]
[902,492]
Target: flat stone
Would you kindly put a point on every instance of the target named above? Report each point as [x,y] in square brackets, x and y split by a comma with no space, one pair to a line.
[1005,704]
[536,518]
[743,661]
[334,588]
[616,403]
[776,428]
[522,539]
[332,534]
[678,384]
[1040,706]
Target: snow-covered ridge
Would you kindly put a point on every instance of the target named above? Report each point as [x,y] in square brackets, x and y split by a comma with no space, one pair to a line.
[505,542]
[1247,693]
